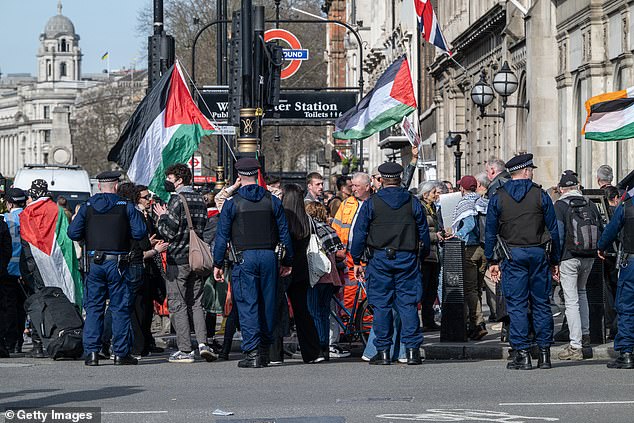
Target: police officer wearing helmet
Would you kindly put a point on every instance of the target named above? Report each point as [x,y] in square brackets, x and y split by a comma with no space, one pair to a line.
[253,221]
[622,226]
[392,225]
[522,217]
[107,223]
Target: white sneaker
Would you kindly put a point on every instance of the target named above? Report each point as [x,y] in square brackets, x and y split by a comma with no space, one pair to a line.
[181,357]
[206,353]
[337,352]
[402,360]
[364,358]
[318,360]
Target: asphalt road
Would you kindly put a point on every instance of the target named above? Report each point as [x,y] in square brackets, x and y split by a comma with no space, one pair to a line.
[338,391]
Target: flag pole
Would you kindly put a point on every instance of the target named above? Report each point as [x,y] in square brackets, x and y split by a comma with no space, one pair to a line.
[456,62]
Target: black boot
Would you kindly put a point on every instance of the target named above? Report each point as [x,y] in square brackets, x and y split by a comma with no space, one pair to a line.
[623,361]
[382,358]
[413,356]
[264,355]
[251,360]
[92,359]
[543,362]
[521,361]
[38,351]
[224,354]
[128,360]
[4,352]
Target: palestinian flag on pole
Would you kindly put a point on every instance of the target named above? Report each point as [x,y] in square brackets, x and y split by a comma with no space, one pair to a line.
[389,101]
[610,116]
[165,129]
[43,226]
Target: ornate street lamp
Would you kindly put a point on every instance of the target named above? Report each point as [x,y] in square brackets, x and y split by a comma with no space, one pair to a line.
[505,83]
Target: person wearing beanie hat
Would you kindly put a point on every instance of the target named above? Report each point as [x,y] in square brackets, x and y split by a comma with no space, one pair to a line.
[579,223]
[521,223]
[255,224]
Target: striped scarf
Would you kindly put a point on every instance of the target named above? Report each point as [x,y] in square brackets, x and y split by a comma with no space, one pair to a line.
[465,208]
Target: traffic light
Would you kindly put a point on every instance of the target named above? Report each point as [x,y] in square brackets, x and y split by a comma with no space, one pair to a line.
[272,75]
[235,70]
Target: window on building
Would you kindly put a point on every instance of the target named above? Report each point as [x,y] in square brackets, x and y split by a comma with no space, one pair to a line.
[47,112]
[49,69]
[62,69]
[47,136]
[580,108]
[63,46]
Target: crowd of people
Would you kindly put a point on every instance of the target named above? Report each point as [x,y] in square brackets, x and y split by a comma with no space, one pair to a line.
[281,253]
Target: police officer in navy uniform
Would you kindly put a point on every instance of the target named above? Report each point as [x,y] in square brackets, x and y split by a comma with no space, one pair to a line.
[107,223]
[393,226]
[253,221]
[521,217]
[622,225]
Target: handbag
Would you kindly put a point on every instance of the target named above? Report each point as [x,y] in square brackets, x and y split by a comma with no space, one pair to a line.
[200,260]
[318,262]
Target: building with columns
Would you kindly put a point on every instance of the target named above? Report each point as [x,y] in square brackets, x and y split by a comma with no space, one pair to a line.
[34,114]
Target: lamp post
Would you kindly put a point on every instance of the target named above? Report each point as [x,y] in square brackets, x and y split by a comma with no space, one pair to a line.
[505,83]
[453,140]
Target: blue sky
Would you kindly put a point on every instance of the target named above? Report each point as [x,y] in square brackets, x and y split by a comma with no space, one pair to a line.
[103,25]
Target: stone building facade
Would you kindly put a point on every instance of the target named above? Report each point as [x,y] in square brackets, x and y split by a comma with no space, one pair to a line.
[34,112]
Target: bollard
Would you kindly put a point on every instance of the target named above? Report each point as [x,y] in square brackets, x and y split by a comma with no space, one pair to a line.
[453,326]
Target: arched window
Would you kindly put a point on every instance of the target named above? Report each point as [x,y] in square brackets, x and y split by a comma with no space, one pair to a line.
[62,69]
[63,46]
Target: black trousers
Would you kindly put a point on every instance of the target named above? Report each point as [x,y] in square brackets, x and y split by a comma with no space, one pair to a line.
[304,324]
[12,314]
[141,317]
[430,272]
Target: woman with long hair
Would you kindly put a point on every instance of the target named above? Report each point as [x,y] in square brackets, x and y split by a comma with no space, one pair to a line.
[299,284]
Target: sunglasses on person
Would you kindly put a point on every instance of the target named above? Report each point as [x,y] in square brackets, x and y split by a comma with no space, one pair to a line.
[147,197]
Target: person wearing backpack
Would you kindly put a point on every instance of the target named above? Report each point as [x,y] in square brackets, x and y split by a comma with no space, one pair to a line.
[580,226]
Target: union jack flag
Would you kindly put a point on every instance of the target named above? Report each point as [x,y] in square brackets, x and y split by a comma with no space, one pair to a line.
[428,25]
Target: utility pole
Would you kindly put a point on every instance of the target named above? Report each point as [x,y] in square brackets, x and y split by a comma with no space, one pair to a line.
[161,48]
[221,79]
[248,140]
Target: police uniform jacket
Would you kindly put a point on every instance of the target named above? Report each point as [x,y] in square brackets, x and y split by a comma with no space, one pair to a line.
[102,203]
[394,197]
[252,193]
[617,224]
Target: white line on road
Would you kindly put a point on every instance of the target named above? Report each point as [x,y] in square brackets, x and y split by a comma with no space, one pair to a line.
[135,412]
[567,403]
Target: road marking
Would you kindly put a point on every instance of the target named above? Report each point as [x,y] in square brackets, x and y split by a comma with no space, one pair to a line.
[135,412]
[462,415]
[568,403]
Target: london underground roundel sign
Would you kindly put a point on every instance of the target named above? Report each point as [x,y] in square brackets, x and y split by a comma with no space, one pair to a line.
[295,55]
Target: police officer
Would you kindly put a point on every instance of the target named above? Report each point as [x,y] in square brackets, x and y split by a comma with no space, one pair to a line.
[622,225]
[253,221]
[14,316]
[106,223]
[521,216]
[392,225]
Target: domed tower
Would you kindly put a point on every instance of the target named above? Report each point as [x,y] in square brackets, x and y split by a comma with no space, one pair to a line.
[59,56]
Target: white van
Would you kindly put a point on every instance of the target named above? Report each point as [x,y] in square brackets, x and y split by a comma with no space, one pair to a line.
[69,181]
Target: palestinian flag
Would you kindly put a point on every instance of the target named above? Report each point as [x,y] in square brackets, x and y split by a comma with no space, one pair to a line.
[610,116]
[43,226]
[389,101]
[165,129]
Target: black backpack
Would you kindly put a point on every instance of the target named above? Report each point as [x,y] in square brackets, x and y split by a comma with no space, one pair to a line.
[582,228]
[57,321]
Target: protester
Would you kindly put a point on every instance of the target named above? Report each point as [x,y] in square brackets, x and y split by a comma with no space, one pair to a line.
[344,190]
[497,174]
[5,301]
[605,176]
[63,203]
[39,220]
[254,224]
[466,226]
[184,287]
[320,295]
[622,224]
[299,228]
[486,284]
[580,226]
[613,197]
[523,217]
[430,265]
[315,187]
